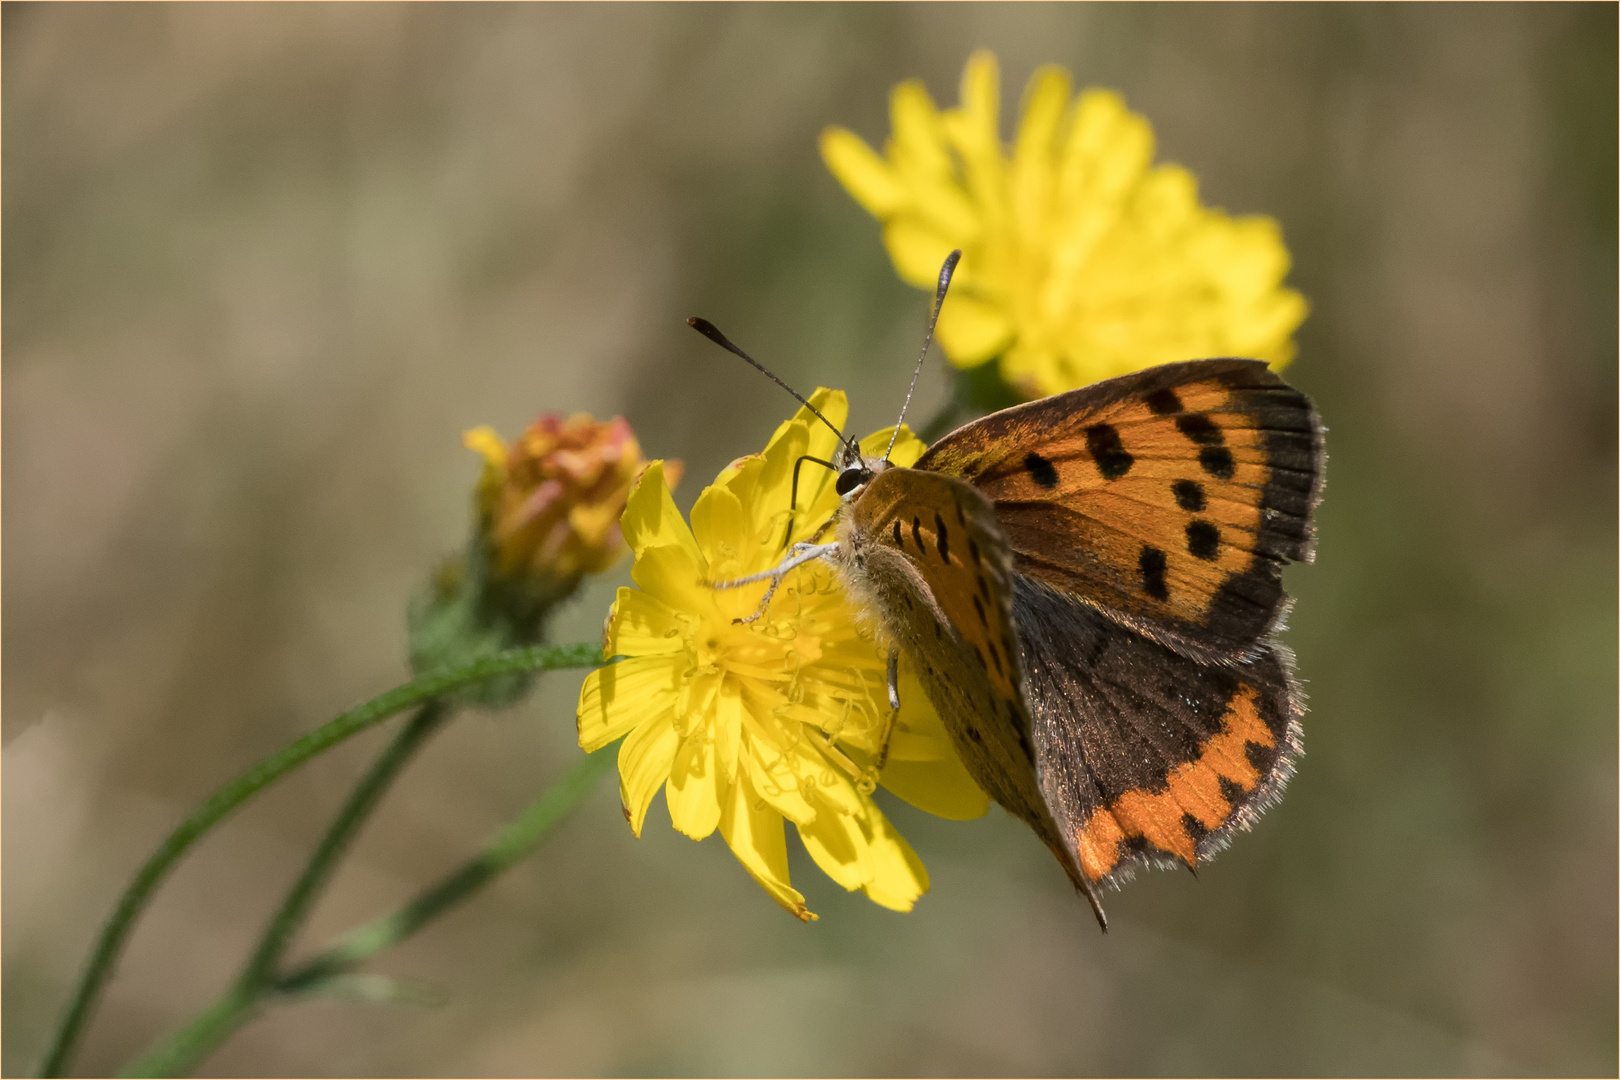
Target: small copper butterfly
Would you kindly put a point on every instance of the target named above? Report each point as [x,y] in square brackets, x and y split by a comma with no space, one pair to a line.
[1089,587]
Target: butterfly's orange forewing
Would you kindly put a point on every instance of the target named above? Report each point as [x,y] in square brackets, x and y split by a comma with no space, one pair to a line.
[1168,499]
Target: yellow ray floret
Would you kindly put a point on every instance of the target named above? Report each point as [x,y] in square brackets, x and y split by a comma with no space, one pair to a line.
[747,726]
[1081,258]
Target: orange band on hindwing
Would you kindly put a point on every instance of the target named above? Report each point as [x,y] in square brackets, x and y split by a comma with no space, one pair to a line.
[1192,789]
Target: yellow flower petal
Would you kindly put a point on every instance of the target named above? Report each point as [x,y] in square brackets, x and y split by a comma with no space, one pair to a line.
[918,147]
[862,172]
[642,625]
[487,443]
[669,573]
[718,523]
[756,836]
[972,331]
[835,841]
[898,877]
[1046,99]
[617,697]
[692,792]
[645,757]
[727,729]
[907,447]
[981,94]
[650,517]
[916,250]
[776,781]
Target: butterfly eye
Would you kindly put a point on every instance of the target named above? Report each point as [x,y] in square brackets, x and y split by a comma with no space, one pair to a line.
[850,479]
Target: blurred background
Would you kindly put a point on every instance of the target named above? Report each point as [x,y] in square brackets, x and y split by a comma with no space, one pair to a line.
[264,264]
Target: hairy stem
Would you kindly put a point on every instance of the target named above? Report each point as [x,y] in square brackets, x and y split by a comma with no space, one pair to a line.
[186,1048]
[509,847]
[218,806]
[178,1053]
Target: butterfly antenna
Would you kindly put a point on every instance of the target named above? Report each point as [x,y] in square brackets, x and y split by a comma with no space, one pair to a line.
[712,332]
[945,273]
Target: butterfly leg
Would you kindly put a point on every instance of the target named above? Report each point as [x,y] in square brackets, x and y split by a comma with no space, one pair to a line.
[894,706]
[801,554]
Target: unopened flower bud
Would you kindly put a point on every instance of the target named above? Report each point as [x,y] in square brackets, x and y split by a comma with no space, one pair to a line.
[546,514]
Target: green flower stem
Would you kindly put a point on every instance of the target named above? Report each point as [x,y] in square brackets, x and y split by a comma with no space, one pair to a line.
[219,805]
[361,802]
[178,1053]
[186,1048]
[509,847]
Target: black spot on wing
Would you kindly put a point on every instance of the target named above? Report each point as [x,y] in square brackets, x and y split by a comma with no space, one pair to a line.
[1189,495]
[1203,540]
[1163,402]
[1217,461]
[1152,565]
[978,607]
[1232,791]
[1112,459]
[899,541]
[1042,471]
[1260,756]
[940,541]
[1135,847]
[916,534]
[973,549]
[1200,429]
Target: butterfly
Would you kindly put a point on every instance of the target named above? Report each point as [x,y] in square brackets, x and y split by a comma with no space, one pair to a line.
[1089,589]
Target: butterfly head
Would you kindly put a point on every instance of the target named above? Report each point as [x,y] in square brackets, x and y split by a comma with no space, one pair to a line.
[854,470]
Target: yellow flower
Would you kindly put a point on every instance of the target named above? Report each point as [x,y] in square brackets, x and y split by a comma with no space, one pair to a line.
[549,504]
[1081,259]
[748,725]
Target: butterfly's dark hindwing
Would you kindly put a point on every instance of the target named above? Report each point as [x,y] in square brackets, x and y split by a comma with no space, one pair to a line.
[1168,499]
[1146,756]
